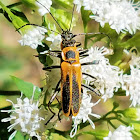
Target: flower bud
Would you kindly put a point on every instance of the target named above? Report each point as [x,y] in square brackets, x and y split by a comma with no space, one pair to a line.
[132,113]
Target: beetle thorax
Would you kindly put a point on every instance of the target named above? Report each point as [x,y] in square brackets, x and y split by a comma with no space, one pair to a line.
[67,39]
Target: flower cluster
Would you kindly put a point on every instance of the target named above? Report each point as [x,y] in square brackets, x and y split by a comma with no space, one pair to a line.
[26,117]
[135,61]
[33,37]
[131,82]
[85,111]
[124,15]
[121,133]
[54,37]
[107,77]
[131,85]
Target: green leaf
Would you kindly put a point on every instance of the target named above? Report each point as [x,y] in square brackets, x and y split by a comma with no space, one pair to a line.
[19,136]
[99,134]
[55,136]
[17,18]
[26,88]
[118,53]
[134,41]
[62,17]
[110,32]
[43,58]
[49,61]
[11,6]
[42,49]
[29,3]
[136,130]
[85,17]
[19,14]
[67,4]
[46,60]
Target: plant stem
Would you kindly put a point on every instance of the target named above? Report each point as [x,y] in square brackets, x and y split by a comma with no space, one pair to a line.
[9,93]
[112,124]
[122,121]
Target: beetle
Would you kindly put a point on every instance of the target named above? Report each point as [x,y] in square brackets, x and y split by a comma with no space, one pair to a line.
[71,73]
[71,76]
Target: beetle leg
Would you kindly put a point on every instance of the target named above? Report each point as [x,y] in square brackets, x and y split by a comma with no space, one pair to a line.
[50,102]
[83,56]
[57,89]
[52,98]
[89,75]
[54,53]
[51,67]
[90,63]
[79,44]
[92,89]
[59,115]
[81,52]
[50,119]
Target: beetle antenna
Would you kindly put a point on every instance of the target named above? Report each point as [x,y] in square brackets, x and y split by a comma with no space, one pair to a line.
[51,15]
[94,34]
[37,26]
[72,16]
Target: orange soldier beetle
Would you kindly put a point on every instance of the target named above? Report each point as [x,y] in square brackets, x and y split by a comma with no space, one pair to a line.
[71,74]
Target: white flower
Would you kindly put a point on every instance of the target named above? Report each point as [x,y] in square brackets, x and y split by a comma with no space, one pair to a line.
[107,77]
[84,112]
[88,4]
[43,5]
[79,4]
[121,133]
[131,83]
[135,61]
[91,4]
[33,37]
[124,15]
[26,117]
[55,39]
